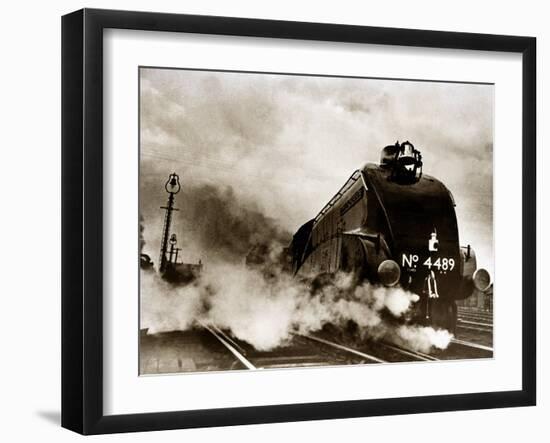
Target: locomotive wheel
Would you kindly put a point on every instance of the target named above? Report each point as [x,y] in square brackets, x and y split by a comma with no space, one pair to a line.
[444,315]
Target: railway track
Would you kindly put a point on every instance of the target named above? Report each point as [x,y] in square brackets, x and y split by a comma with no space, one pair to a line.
[473,345]
[476,323]
[346,349]
[251,359]
[475,326]
[474,332]
[229,344]
[409,352]
[476,315]
[210,348]
[476,319]
[378,351]
[329,352]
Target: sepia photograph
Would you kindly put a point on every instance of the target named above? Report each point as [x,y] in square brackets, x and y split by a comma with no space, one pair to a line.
[289,221]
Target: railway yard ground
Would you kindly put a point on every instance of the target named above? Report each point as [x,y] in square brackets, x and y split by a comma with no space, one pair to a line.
[211,349]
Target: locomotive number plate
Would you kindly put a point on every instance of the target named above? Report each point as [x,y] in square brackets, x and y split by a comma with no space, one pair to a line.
[443,264]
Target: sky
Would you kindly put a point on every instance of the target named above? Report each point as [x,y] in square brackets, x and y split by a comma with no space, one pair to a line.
[261,154]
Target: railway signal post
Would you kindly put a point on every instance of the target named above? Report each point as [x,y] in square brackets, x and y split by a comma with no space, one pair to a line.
[172,187]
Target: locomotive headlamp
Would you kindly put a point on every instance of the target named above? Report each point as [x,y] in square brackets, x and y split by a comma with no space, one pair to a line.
[481,279]
[172,186]
[389,273]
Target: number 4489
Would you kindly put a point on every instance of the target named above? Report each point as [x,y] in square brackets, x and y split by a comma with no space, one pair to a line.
[442,264]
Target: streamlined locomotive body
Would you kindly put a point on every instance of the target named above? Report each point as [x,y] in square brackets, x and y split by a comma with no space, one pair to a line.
[392,225]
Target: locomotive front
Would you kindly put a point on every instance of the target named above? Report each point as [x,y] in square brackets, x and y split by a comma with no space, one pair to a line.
[393,225]
[420,226]
[422,231]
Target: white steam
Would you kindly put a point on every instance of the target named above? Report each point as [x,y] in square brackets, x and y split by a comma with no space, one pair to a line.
[267,311]
[421,338]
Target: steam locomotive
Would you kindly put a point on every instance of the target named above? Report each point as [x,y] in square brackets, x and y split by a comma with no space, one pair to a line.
[392,225]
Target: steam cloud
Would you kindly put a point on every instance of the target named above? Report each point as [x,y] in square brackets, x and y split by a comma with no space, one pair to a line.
[266,312]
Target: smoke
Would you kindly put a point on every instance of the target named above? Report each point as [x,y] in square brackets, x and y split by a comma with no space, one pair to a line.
[213,222]
[267,311]
[224,226]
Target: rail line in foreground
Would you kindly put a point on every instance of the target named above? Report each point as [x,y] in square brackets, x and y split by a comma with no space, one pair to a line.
[471,345]
[409,352]
[233,346]
[346,349]
[226,342]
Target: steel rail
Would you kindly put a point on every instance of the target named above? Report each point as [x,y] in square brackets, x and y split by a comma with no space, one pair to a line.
[472,328]
[411,353]
[236,353]
[474,314]
[229,339]
[471,345]
[465,315]
[476,323]
[345,348]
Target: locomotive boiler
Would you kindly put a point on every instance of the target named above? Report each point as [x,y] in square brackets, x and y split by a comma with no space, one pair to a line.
[390,224]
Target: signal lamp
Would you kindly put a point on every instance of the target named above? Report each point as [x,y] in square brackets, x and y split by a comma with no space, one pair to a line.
[172,186]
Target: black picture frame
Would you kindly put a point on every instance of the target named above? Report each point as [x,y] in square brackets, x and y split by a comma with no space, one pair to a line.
[82,218]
